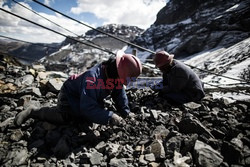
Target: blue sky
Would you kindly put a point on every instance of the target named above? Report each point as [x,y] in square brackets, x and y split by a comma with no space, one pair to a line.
[141,13]
[64,6]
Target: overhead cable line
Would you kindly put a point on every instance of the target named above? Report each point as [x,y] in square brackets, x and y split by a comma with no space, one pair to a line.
[39,44]
[129,43]
[110,35]
[137,46]
[105,50]
[77,40]
[51,21]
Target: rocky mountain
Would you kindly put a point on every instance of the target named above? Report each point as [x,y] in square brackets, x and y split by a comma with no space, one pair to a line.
[185,27]
[27,53]
[125,31]
[59,55]
[77,57]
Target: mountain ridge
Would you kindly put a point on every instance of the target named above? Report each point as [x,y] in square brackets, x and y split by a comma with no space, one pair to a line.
[207,25]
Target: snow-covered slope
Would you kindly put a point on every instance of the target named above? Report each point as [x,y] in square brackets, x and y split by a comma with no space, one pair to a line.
[226,68]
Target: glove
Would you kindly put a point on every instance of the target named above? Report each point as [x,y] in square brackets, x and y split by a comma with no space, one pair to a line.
[117,120]
[131,115]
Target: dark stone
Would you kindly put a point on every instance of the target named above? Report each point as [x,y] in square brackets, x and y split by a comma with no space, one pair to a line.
[190,125]
[218,134]
[232,154]
[188,144]
[176,11]
[173,144]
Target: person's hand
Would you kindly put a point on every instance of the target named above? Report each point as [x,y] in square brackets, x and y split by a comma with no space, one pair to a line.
[117,120]
[131,115]
[152,87]
[156,87]
[74,76]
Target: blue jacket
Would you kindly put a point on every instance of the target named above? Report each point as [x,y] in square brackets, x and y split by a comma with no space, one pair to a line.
[87,102]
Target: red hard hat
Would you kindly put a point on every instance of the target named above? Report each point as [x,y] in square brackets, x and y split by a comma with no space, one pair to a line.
[161,58]
[128,66]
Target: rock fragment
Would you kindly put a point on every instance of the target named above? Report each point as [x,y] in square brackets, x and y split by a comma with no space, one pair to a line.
[206,155]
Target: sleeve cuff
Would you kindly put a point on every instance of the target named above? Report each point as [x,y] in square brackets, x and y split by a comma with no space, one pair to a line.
[125,113]
[110,114]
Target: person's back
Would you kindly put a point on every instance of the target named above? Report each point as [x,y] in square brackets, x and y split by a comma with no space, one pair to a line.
[75,86]
[183,79]
[180,83]
[85,98]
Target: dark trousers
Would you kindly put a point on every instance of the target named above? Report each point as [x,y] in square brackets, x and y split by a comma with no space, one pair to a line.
[176,98]
[59,114]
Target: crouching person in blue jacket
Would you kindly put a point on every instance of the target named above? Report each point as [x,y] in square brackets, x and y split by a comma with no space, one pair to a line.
[180,84]
[81,97]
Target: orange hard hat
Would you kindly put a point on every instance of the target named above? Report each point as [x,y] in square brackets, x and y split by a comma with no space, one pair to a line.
[161,58]
[128,66]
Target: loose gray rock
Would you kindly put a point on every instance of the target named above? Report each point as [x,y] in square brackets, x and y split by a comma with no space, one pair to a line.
[18,157]
[16,135]
[54,84]
[96,158]
[27,80]
[114,162]
[206,155]
[157,149]
[150,157]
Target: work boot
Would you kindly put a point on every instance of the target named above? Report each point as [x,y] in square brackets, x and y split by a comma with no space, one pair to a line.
[50,114]
[24,115]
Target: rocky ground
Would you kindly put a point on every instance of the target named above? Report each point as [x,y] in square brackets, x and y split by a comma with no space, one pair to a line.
[215,132]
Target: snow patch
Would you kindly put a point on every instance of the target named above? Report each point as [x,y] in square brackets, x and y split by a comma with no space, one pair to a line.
[187,21]
[199,59]
[235,72]
[231,96]
[66,47]
[233,8]
[142,55]
[173,43]
[219,59]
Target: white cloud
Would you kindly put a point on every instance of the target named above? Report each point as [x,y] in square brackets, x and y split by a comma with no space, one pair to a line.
[48,2]
[141,13]
[16,28]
